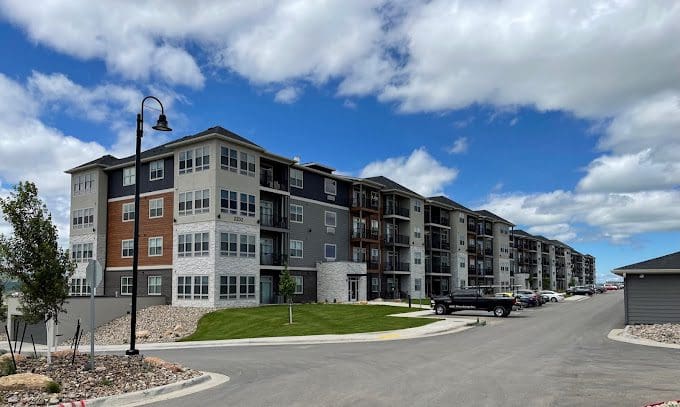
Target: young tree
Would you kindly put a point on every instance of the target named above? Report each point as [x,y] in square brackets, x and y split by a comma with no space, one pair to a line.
[32,256]
[287,288]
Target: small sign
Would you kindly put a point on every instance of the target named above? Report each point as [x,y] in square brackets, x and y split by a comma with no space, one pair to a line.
[94,273]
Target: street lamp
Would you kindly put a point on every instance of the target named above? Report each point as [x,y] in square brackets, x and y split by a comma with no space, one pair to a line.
[161,125]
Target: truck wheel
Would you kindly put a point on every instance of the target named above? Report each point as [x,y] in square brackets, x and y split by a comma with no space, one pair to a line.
[499,311]
[553,299]
[440,309]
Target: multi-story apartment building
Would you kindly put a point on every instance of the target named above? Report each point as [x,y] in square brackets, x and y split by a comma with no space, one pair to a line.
[527,260]
[221,218]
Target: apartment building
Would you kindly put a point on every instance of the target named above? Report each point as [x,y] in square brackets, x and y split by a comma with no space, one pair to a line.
[221,217]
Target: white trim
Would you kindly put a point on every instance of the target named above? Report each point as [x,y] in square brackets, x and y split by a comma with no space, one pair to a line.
[263,267]
[121,285]
[302,247]
[325,218]
[122,212]
[145,194]
[156,179]
[335,246]
[162,199]
[302,284]
[274,191]
[149,285]
[437,225]
[148,246]
[123,248]
[319,203]
[166,267]
[302,214]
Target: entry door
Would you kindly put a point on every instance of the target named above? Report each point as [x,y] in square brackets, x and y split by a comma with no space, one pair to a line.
[267,250]
[353,289]
[267,213]
[266,290]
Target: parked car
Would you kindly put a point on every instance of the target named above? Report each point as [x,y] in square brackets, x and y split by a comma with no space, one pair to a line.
[611,287]
[518,304]
[600,288]
[534,295]
[580,290]
[552,296]
[472,299]
[527,300]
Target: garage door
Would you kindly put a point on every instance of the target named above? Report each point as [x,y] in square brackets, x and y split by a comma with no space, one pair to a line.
[653,299]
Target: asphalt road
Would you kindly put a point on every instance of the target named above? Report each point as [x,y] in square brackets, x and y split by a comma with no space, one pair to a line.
[557,355]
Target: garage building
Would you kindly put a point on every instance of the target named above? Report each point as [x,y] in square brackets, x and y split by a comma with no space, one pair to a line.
[651,290]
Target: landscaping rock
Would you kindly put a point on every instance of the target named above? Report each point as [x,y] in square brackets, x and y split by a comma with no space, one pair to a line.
[142,334]
[666,333]
[24,381]
[8,356]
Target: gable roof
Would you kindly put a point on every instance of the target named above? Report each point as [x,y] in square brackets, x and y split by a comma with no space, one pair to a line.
[389,184]
[446,201]
[215,130]
[103,161]
[668,263]
[519,232]
[493,216]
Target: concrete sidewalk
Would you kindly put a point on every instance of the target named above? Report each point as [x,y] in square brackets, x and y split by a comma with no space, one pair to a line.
[440,327]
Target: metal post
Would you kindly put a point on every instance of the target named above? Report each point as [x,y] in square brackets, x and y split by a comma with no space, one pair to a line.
[135,237]
[92,327]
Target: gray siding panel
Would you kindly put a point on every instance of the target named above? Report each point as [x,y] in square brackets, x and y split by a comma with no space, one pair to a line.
[652,299]
[314,234]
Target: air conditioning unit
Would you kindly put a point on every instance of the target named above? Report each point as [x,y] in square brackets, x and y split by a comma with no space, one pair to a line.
[330,229]
[330,197]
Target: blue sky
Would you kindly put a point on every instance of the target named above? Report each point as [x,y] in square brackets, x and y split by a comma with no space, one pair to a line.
[539,112]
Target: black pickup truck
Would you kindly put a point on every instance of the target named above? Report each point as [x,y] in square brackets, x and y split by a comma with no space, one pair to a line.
[472,298]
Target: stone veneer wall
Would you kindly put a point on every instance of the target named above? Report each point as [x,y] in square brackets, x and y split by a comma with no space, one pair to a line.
[332,280]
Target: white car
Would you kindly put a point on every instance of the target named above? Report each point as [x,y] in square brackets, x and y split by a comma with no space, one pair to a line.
[552,296]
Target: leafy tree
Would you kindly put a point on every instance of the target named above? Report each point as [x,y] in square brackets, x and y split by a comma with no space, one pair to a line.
[32,256]
[287,288]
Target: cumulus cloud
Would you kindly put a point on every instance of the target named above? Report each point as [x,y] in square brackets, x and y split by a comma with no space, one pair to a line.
[459,146]
[287,95]
[419,172]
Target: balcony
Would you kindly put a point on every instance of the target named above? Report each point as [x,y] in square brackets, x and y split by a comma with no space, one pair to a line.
[271,221]
[488,252]
[471,249]
[437,244]
[396,210]
[396,239]
[397,266]
[267,180]
[273,259]
[365,203]
[441,268]
[471,228]
[363,233]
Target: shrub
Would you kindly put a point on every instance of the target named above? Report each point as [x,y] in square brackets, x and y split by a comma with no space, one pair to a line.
[7,367]
[53,387]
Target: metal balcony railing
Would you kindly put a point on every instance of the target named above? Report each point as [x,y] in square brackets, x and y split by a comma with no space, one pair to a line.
[272,221]
[396,239]
[363,202]
[268,180]
[396,210]
[273,259]
[397,266]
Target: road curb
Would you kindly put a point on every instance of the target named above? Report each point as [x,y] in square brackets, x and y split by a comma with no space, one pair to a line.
[169,391]
[620,335]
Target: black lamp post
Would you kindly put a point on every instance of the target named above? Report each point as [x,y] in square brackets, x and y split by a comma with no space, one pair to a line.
[161,125]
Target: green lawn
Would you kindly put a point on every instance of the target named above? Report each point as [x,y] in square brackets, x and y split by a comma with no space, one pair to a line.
[421,301]
[308,319]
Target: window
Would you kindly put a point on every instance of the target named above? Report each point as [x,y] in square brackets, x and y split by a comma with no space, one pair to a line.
[445,285]
[156,208]
[186,203]
[127,249]
[417,285]
[201,244]
[330,186]
[126,285]
[192,287]
[202,159]
[299,280]
[128,176]
[247,164]
[156,170]
[247,248]
[461,239]
[296,249]
[228,244]
[83,218]
[296,178]
[375,254]
[417,206]
[81,252]
[329,251]
[228,288]
[296,213]
[228,201]
[247,205]
[247,287]
[128,212]
[417,258]
[184,245]
[331,219]
[79,286]
[461,218]
[83,183]
[202,201]
[229,159]
[186,162]
[375,284]
[416,232]
[154,284]
[155,246]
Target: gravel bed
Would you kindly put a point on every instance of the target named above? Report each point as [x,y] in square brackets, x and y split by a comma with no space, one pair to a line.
[667,404]
[113,374]
[666,333]
[159,323]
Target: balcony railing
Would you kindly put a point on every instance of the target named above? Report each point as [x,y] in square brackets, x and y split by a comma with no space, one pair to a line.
[367,203]
[272,221]
[267,180]
[440,268]
[363,233]
[273,259]
[397,266]
[488,252]
[396,210]
[471,227]
[396,239]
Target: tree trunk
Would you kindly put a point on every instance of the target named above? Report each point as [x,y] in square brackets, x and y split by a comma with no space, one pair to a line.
[290,311]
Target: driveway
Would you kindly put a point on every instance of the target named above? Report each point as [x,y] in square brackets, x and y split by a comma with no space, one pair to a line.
[557,355]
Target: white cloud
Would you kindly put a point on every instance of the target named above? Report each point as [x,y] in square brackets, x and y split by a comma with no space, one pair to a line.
[419,172]
[287,95]
[459,146]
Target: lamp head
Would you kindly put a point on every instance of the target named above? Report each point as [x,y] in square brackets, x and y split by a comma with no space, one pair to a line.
[162,124]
